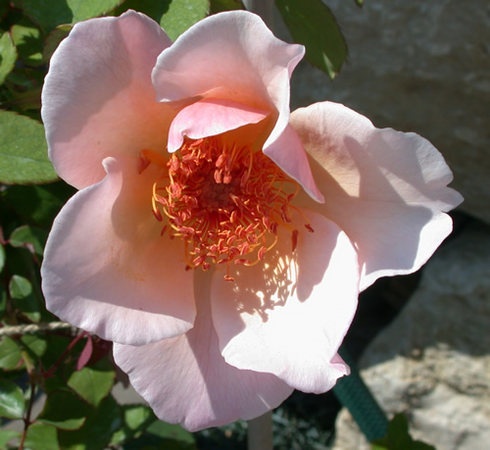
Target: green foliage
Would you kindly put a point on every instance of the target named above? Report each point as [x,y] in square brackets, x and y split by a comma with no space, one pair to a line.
[8,55]
[136,419]
[23,298]
[27,40]
[41,436]
[10,355]
[181,14]
[313,24]
[6,436]
[23,151]
[30,237]
[216,6]
[64,410]
[50,13]
[36,204]
[94,383]
[175,16]
[12,402]
[98,429]
[398,437]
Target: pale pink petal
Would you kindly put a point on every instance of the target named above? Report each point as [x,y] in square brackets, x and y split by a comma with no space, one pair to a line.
[288,315]
[98,99]
[108,270]
[186,380]
[288,153]
[386,189]
[232,56]
[210,117]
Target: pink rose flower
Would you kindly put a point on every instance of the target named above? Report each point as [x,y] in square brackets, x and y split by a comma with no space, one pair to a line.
[218,240]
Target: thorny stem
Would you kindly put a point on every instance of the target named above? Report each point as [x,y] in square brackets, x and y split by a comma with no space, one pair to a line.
[27,418]
[62,357]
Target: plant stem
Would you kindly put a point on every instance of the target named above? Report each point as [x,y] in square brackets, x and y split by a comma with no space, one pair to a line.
[27,418]
[260,432]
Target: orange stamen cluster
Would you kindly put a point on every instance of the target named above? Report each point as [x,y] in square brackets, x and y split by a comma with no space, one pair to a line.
[226,202]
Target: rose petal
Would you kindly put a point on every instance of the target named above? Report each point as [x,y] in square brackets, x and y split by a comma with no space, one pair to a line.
[186,381]
[210,117]
[386,189]
[288,316]
[219,58]
[98,99]
[288,153]
[108,270]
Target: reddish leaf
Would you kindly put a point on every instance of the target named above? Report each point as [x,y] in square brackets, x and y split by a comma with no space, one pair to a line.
[86,353]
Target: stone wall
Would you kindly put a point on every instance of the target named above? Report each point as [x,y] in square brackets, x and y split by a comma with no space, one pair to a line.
[419,66]
[433,361]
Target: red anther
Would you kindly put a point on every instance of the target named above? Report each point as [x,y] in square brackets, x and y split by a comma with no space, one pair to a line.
[224,201]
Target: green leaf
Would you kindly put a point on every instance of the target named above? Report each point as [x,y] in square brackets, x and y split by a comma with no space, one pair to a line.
[170,431]
[50,13]
[23,151]
[41,436]
[137,415]
[312,24]
[98,429]
[34,344]
[29,237]
[93,383]
[86,9]
[181,14]
[136,420]
[217,6]
[6,436]
[28,41]
[8,55]
[10,354]
[37,204]
[163,435]
[398,437]
[20,290]
[12,403]
[175,16]
[64,410]
[53,40]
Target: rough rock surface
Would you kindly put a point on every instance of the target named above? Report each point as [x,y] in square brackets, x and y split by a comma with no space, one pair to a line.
[433,361]
[418,66]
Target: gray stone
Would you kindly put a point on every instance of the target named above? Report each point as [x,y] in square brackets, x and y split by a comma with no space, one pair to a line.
[418,66]
[433,361]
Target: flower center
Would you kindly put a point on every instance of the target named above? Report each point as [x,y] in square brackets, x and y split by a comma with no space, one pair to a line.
[225,202]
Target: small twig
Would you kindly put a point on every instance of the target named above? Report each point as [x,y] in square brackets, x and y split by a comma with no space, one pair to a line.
[27,418]
[50,372]
[12,330]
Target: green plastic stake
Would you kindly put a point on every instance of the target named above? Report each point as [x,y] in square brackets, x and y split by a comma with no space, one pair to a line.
[353,393]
